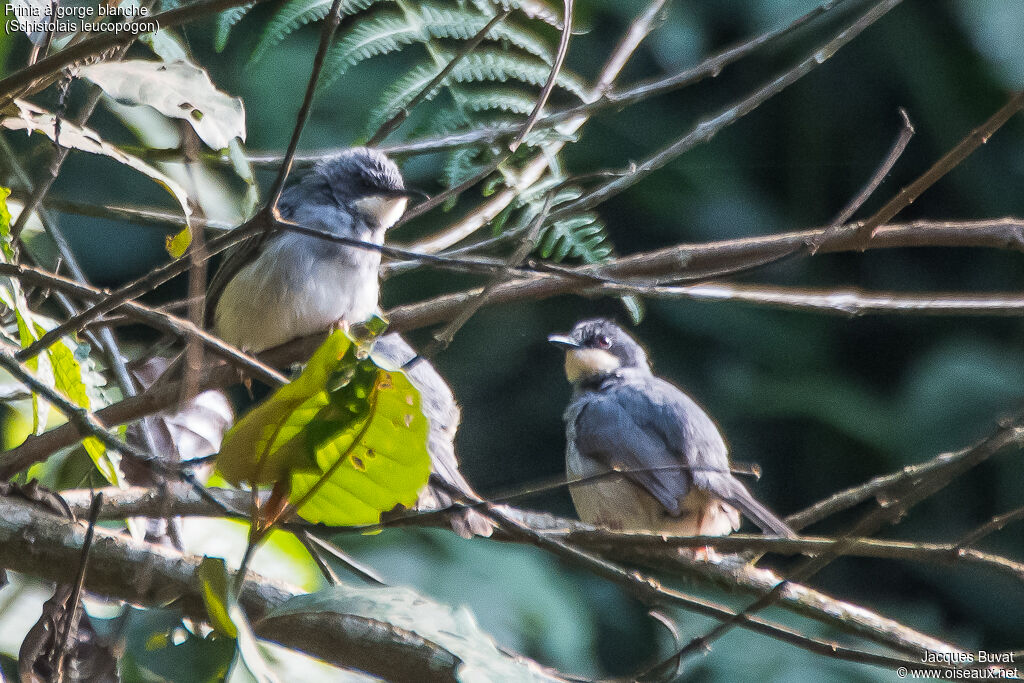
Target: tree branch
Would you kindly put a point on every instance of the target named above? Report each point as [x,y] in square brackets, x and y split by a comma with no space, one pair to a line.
[42,544]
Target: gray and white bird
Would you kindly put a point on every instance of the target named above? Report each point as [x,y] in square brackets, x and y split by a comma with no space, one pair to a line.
[291,285]
[675,464]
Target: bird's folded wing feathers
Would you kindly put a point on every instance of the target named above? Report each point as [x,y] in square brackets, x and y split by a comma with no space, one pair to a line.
[622,427]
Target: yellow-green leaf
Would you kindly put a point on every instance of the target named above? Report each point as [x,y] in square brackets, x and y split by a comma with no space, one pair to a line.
[5,224]
[213,579]
[178,242]
[348,436]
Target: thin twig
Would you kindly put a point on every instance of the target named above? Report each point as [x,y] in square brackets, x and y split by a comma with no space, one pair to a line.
[326,35]
[157,318]
[706,129]
[696,261]
[444,337]
[314,543]
[888,511]
[948,162]
[651,592]
[605,99]
[538,165]
[60,648]
[847,302]
[549,85]
[895,152]
[994,524]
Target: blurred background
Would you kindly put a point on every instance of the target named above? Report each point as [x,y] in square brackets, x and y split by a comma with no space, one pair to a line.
[820,402]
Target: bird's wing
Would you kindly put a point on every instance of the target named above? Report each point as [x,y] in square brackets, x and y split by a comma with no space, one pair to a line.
[234,260]
[669,427]
[640,429]
[442,412]
[306,203]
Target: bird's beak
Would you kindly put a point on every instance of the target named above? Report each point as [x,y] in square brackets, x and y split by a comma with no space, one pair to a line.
[563,341]
[408,193]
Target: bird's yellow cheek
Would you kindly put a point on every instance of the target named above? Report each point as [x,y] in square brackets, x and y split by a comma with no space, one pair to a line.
[583,363]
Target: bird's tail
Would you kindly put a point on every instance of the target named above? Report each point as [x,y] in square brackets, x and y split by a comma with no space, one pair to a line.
[739,497]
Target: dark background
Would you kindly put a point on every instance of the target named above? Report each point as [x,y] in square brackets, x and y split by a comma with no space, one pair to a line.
[819,402]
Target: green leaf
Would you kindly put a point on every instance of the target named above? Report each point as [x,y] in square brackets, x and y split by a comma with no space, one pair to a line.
[5,224]
[227,617]
[348,435]
[379,35]
[215,584]
[69,379]
[513,101]
[177,244]
[178,90]
[454,630]
[582,236]
[634,306]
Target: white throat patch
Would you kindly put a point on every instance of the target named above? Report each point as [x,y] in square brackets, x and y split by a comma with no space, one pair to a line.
[385,210]
[583,363]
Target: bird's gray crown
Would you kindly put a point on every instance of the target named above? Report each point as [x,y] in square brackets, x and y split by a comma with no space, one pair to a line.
[604,335]
[353,174]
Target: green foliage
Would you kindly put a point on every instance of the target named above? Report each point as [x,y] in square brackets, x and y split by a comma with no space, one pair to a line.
[296,14]
[227,617]
[64,365]
[347,436]
[475,68]
[495,83]
[215,584]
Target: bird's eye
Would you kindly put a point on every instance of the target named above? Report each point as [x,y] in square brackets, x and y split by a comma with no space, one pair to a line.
[602,341]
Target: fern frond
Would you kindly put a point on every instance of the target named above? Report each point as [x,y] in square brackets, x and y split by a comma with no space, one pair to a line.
[462,164]
[503,66]
[370,38]
[511,101]
[476,67]
[297,13]
[390,32]
[535,9]
[226,21]
[583,237]
[445,22]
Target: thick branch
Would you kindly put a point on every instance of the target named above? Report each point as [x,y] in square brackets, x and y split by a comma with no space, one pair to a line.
[39,543]
[697,261]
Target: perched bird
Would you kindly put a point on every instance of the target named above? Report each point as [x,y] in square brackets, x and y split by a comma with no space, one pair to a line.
[675,464]
[291,285]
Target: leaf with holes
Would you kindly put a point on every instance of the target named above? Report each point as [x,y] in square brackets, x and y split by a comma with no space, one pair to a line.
[347,435]
[178,90]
